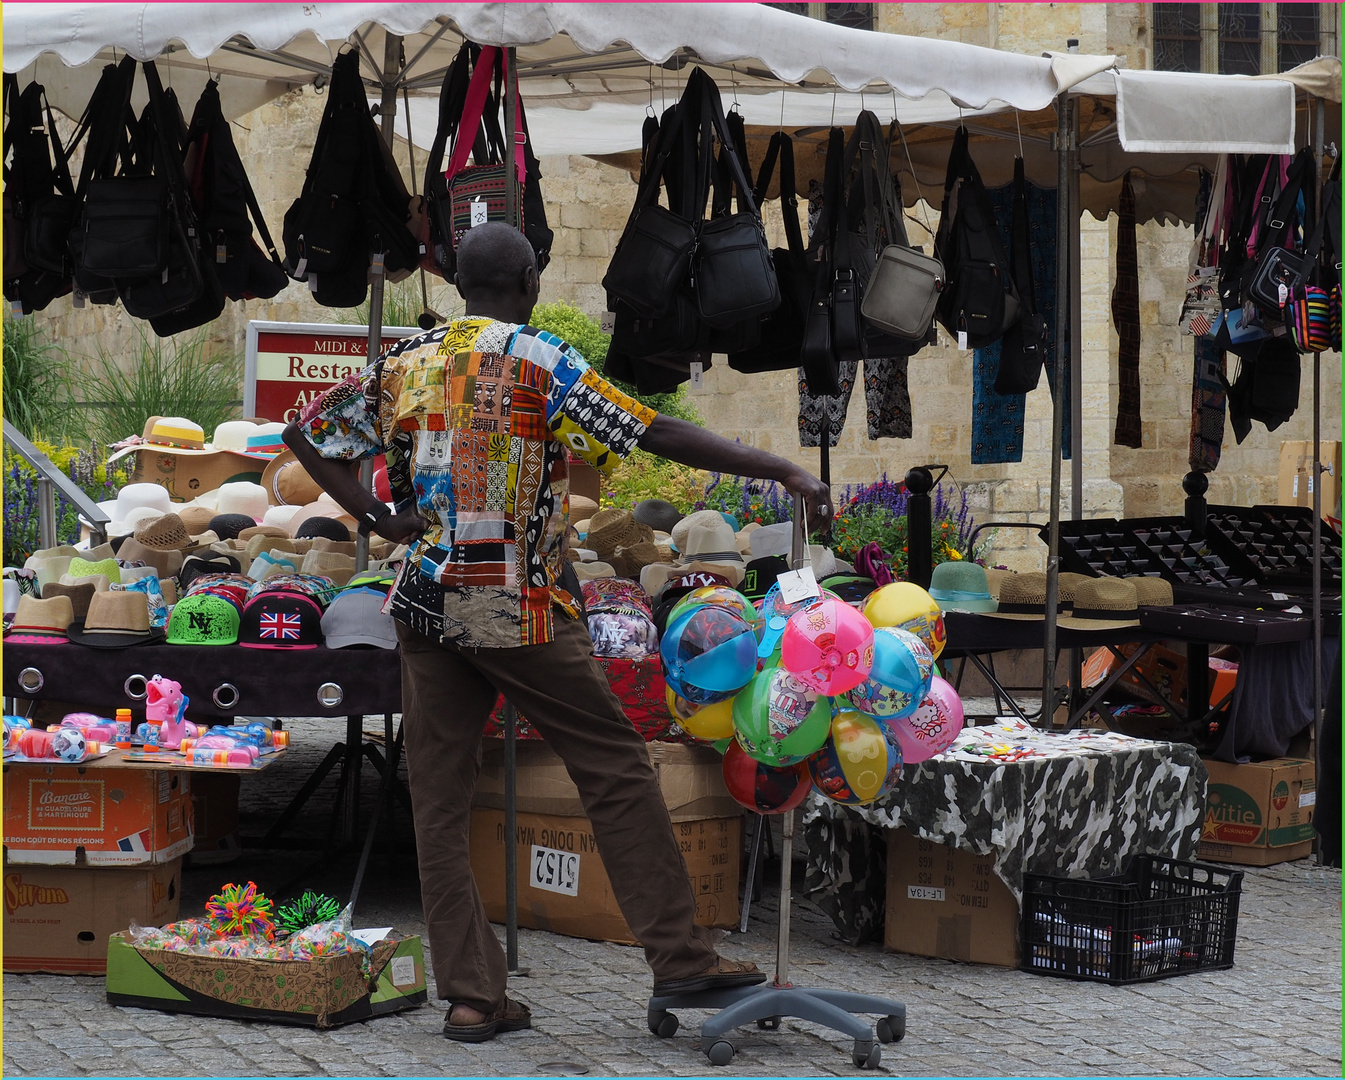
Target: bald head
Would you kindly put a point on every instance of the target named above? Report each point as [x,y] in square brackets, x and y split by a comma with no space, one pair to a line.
[495,262]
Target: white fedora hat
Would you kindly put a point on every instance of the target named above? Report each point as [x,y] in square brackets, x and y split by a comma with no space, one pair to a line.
[242,497]
[233,435]
[134,497]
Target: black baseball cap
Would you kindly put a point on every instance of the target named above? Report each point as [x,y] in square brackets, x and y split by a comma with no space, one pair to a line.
[281,620]
[206,562]
[760,574]
[852,588]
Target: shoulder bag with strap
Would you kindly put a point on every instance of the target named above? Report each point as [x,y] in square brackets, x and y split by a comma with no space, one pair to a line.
[780,338]
[1278,265]
[980,301]
[1023,351]
[821,369]
[904,288]
[1307,307]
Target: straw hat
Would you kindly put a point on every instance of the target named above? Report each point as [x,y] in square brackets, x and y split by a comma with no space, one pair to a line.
[233,435]
[1023,597]
[744,538]
[587,571]
[166,562]
[706,542]
[1152,592]
[582,507]
[97,554]
[771,540]
[57,552]
[131,498]
[1066,583]
[49,568]
[266,438]
[79,595]
[98,581]
[329,564]
[262,530]
[195,519]
[115,620]
[266,541]
[175,431]
[79,568]
[629,561]
[959,585]
[611,530]
[343,547]
[137,573]
[287,483]
[1103,604]
[40,622]
[681,529]
[242,497]
[266,564]
[282,517]
[656,575]
[168,532]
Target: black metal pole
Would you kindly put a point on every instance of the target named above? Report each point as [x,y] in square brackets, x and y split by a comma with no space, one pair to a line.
[919,527]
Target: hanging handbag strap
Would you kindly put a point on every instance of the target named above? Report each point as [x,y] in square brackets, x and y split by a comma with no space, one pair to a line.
[1020,247]
[1309,265]
[109,113]
[452,96]
[474,108]
[1331,215]
[952,174]
[715,123]
[1278,219]
[168,162]
[781,148]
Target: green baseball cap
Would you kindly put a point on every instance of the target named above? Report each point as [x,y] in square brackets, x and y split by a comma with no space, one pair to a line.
[383,580]
[203,619]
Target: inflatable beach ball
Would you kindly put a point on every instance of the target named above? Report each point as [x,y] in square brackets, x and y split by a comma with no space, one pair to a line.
[828,645]
[720,595]
[933,726]
[778,720]
[709,722]
[708,654]
[902,670]
[908,607]
[859,762]
[764,789]
[775,613]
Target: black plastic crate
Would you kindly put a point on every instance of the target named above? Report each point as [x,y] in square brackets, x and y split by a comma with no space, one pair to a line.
[1160,918]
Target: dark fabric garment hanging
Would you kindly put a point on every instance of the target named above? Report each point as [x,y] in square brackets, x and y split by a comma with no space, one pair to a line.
[1125,313]
[887,397]
[1209,400]
[997,419]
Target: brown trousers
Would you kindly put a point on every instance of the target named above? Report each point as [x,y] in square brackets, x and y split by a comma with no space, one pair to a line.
[447,695]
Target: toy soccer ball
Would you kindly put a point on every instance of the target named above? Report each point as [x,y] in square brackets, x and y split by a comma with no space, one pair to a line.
[68,745]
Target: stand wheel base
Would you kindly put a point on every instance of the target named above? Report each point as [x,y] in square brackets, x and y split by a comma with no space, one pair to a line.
[866,1055]
[769,1023]
[720,1052]
[891,1029]
[663,1024]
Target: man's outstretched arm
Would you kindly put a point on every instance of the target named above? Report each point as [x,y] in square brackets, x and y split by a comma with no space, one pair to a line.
[697,448]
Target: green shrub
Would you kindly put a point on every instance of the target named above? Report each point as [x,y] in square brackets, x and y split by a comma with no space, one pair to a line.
[647,476]
[177,378]
[84,465]
[568,322]
[37,386]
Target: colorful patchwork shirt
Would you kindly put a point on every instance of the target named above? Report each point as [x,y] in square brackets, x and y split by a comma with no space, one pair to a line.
[477,419]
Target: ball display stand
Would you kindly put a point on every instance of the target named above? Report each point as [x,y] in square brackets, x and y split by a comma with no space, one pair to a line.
[768,1003]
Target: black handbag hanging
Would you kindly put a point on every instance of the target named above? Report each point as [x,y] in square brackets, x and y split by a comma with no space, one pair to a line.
[818,353]
[1023,352]
[780,333]
[980,299]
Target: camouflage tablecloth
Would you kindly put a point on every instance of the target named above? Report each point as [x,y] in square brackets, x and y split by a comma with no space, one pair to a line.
[1076,804]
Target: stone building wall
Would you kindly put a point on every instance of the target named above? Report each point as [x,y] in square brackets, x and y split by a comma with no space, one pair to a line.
[587,204]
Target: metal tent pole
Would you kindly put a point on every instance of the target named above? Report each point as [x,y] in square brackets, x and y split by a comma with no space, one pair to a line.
[1319,135]
[510,715]
[1063,330]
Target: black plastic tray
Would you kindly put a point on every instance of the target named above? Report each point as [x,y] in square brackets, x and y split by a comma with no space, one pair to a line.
[1226,625]
[1272,544]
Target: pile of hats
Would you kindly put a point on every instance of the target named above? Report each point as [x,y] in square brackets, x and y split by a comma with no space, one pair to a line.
[620,619]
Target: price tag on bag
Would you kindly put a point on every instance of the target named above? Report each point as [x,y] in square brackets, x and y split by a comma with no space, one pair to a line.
[607,322]
[697,374]
[800,584]
[478,213]
[961,341]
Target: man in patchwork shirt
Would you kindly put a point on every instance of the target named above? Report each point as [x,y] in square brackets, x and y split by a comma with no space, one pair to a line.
[477,419]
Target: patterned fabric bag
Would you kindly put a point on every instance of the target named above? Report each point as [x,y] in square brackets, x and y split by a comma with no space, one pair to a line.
[1307,315]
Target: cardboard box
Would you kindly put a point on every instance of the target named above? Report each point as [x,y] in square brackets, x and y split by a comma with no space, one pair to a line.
[563,886]
[690,777]
[1295,474]
[1166,669]
[323,992]
[214,801]
[1261,813]
[947,903]
[58,918]
[99,813]
[189,473]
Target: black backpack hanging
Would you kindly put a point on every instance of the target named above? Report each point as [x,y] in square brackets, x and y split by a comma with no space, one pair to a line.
[980,299]
[184,292]
[832,289]
[1023,352]
[223,198]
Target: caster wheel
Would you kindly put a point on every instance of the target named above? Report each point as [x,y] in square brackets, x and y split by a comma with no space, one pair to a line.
[662,1024]
[720,1053]
[866,1055]
[769,1023]
[891,1029]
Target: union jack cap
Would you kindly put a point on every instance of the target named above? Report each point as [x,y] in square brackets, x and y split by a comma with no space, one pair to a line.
[281,620]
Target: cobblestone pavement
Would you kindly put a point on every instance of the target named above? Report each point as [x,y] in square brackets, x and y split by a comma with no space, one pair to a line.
[1276,1012]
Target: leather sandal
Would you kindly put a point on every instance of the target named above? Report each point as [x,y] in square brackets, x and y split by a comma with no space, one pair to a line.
[720,975]
[511,1016]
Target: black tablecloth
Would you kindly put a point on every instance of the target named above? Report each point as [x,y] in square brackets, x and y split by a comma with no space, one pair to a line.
[270,682]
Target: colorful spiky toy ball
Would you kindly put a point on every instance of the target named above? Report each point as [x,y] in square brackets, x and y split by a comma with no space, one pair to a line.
[240,910]
[311,907]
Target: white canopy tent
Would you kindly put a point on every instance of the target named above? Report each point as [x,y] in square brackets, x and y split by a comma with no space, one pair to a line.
[587,73]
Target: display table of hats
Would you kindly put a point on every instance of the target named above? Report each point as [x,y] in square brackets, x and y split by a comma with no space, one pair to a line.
[1068,804]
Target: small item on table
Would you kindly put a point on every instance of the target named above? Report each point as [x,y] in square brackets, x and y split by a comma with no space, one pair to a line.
[241,910]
